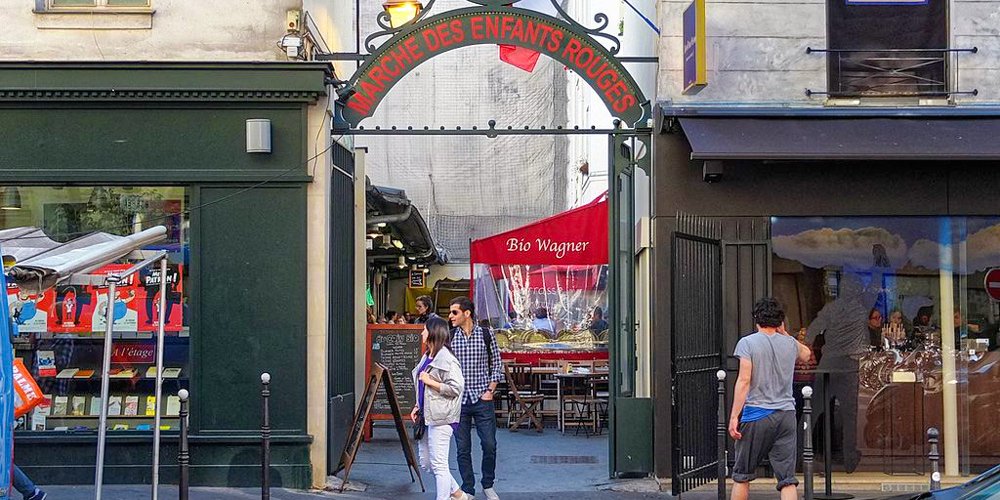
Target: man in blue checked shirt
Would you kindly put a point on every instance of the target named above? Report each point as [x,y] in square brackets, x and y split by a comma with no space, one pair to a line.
[479,355]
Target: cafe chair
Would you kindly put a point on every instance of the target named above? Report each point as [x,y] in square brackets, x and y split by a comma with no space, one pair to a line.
[524,400]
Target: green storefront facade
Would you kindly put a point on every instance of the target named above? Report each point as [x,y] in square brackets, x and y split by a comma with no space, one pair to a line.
[183,126]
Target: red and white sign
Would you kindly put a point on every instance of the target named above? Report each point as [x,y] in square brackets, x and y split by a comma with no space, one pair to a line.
[993,283]
[134,353]
[578,237]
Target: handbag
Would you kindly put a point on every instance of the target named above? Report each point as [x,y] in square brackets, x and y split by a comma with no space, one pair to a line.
[419,427]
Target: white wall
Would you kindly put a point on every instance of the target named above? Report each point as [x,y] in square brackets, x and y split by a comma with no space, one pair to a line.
[756,51]
[224,30]
[585,106]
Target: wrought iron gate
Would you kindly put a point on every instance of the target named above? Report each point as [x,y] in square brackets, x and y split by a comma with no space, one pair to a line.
[696,349]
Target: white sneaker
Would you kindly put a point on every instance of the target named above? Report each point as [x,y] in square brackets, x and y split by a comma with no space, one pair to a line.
[491,494]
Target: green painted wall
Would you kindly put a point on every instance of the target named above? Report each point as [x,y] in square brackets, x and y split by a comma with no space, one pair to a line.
[184,124]
[250,312]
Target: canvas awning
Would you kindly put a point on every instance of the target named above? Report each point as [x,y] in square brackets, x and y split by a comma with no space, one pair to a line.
[577,237]
[750,133]
[40,262]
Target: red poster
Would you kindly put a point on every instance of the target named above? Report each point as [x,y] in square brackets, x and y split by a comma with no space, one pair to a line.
[72,309]
[125,304]
[149,298]
[30,312]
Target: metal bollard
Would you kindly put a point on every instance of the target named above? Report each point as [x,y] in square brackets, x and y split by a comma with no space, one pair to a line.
[932,439]
[265,436]
[184,455]
[721,431]
[807,442]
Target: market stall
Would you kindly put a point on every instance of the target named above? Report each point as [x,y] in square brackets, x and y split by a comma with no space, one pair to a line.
[543,287]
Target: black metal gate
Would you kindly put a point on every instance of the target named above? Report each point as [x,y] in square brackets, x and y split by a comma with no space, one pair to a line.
[696,349]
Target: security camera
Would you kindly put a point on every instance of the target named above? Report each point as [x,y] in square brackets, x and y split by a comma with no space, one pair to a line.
[712,171]
[291,44]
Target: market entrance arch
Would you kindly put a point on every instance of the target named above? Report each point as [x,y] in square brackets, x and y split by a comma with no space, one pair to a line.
[493,24]
[497,22]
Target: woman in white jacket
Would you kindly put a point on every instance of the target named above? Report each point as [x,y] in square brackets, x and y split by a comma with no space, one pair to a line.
[439,383]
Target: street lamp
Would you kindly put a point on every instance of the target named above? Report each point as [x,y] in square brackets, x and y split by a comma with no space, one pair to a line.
[402,11]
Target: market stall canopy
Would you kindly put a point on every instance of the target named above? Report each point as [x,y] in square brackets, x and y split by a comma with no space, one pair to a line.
[577,237]
[40,262]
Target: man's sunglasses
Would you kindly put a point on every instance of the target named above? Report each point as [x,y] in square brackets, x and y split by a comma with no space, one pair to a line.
[452,313]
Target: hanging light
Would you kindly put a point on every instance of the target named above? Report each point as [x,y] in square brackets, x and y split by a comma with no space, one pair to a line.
[402,11]
[11,199]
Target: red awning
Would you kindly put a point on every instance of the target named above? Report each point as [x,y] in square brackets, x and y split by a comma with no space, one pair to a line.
[575,237]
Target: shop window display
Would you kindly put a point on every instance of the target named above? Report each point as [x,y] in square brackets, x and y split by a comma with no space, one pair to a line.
[60,332]
[898,312]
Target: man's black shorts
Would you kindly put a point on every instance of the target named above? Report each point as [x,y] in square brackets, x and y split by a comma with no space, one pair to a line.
[773,437]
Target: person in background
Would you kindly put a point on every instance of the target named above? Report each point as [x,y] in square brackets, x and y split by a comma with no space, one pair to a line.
[425,310]
[762,420]
[597,322]
[479,354]
[371,316]
[511,320]
[439,383]
[875,329]
[542,322]
[24,486]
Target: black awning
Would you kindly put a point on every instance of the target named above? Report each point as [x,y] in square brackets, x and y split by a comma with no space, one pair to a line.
[842,138]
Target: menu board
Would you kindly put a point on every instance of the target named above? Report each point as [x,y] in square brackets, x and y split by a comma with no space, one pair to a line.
[398,348]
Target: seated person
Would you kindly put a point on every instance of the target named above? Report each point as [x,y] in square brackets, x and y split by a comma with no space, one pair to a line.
[542,322]
[597,321]
[511,320]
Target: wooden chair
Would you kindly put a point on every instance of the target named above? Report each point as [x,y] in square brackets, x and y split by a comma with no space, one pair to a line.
[549,387]
[524,399]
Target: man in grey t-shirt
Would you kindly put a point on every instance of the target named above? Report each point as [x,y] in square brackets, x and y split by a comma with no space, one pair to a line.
[763,418]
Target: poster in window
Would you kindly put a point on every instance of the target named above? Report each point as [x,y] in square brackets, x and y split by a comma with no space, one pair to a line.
[29,311]
[125,304]
[149,298]
[72,309]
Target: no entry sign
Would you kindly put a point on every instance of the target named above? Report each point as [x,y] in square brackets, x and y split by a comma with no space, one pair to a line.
[993,283]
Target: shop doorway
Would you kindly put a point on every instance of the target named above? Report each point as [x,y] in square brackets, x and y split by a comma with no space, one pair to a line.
[498,22]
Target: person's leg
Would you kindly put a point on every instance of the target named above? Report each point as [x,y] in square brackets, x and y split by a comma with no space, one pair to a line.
[424,453]
[782,452]
[150,300]
[463,442]
[789,493]
[486,427]
[22,483]
[741,491]
[438,439]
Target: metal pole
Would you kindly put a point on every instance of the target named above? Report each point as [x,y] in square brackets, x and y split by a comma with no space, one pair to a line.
[932,438]
[807,441]
[720,428]
[102,429]
[183,456]
[265,445]
[159,377]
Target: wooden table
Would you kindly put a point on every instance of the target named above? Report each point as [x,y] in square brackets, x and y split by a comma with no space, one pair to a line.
[574,376]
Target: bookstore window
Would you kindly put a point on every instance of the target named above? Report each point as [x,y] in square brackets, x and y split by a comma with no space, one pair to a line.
[60,332]
[888,48]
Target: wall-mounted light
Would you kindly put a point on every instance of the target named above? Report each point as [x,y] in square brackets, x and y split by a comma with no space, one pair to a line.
[402,11]
[11,199]
[258,135]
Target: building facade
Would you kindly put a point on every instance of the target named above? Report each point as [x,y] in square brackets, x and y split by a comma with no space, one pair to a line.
[837,160]
[124,115]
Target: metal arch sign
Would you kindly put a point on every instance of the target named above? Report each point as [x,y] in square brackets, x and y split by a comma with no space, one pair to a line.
[451,30]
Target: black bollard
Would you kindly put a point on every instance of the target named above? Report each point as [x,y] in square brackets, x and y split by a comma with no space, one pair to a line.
[932,439]
[721,431]
[265,444]
[807,441]
[183,456]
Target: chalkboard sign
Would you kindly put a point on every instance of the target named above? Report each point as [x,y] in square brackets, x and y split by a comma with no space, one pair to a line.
[378,380]
[398,349]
